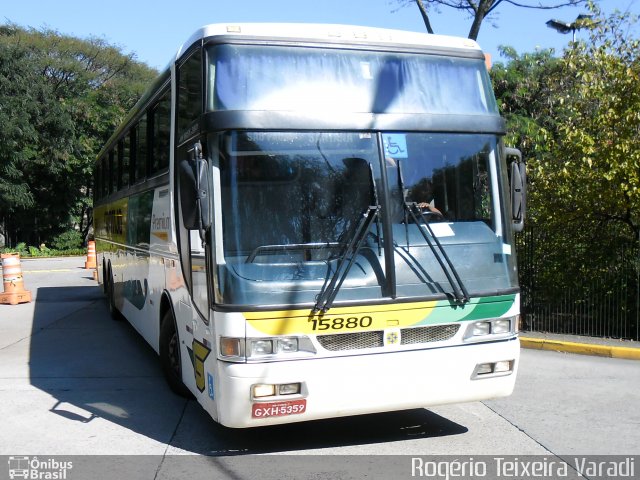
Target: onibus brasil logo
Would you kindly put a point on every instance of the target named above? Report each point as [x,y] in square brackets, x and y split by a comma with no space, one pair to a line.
[38,469]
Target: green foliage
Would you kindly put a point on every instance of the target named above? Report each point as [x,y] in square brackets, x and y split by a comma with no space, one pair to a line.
[32,251]
[598,98]
[69,240]
[523,88]
[577,120]
[21,248]
[60,100]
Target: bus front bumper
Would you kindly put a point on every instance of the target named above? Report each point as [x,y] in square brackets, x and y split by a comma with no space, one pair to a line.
[362,384]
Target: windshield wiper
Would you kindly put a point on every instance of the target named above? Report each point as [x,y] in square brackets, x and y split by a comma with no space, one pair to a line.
[329,292]
[411,209]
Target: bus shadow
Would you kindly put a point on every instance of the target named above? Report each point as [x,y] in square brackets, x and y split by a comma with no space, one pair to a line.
[198,435]
[98,368]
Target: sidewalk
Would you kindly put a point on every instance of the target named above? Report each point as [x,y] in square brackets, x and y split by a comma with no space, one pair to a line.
[604,347]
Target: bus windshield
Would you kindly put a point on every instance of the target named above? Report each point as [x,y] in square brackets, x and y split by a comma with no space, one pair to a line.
[249,77]
[292,202]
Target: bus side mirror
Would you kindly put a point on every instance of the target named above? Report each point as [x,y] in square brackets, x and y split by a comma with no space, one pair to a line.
[194,190]
[518,177]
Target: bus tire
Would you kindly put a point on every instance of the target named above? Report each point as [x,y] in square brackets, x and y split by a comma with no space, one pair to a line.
[104,278]
[111,297]
[170,357]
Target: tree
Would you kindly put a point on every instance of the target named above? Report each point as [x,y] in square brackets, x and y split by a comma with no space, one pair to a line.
[60,100]
[577,118]
[594,173]
[479,10]
[524,88]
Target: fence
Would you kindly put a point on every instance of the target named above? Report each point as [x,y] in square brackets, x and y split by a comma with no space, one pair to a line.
[570,287]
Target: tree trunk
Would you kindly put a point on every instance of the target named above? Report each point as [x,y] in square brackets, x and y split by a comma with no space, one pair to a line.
[480,13]
[425,15]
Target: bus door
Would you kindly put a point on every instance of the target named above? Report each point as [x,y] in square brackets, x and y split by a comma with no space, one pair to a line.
[193,222]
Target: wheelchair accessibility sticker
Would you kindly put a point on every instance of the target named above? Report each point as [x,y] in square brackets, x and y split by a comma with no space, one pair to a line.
[395,145]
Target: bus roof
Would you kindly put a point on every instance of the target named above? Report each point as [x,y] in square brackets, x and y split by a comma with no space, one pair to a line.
[330,33]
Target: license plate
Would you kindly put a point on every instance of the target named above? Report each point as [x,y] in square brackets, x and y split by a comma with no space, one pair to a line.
[278,409]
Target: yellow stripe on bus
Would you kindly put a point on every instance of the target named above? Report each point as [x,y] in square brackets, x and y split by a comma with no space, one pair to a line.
[340,320]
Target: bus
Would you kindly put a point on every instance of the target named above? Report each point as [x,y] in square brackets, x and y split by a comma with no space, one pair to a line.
[311,221]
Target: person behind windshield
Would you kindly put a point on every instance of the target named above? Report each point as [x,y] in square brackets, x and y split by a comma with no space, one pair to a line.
[420,193]
[429,207]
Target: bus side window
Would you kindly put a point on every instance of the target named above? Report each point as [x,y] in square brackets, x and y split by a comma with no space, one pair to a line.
[141,149]
[96,180]
[123,163]
[133,154]
[160,130]
[102,184]
[113,173]
[189,93]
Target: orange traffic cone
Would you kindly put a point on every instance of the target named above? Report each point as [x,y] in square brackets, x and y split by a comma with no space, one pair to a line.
[14,291]
[91,262]
[91,255]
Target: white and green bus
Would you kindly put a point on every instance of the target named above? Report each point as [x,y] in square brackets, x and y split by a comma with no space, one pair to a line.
[312,221]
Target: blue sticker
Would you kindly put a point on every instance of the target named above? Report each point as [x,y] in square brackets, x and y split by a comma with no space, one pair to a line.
[395,145]
[210,385]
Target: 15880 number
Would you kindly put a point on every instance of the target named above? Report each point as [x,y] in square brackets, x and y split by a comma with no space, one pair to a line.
[339,323]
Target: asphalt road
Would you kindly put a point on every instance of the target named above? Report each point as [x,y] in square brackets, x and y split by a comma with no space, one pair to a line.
[75,383]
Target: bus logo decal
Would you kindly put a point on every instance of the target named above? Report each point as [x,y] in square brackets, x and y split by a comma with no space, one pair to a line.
[392,336]
[198,354]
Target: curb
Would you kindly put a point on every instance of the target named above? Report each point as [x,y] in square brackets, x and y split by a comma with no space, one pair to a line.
[580,348]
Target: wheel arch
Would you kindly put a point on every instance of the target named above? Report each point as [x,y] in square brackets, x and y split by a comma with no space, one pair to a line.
[166,305]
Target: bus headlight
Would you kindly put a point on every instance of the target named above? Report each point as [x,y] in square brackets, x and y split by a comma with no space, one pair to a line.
[272,390]
[263,391]
[236,349]
[260,346]
[501,326]
[479,328]
[493,369]
[287,344]
[270,346]
[486,329]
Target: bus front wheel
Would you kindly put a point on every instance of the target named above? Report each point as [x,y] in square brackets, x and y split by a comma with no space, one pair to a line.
[170,356]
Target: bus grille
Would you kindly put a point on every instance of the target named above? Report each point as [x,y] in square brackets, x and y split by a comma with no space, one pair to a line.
[435,333]
[375,339]
[351,341]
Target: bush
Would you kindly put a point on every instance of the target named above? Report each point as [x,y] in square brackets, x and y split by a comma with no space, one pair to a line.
[21,248]
[43,251]
[69,240]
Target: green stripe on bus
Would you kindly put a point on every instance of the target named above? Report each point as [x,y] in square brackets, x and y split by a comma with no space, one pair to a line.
[477,309]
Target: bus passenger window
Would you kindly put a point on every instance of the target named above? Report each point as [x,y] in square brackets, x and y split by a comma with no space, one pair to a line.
[113,173]
[104,178]
[189,92]
[133,138]
[141,149]
[161,122]
[123,163]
